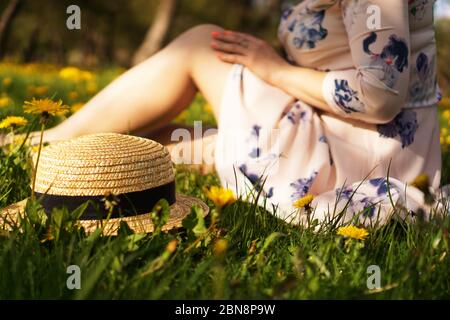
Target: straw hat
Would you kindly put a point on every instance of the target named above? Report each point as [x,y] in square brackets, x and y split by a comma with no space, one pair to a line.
[133,172]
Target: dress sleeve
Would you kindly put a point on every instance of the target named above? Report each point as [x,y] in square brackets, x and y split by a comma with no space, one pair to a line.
[375,90]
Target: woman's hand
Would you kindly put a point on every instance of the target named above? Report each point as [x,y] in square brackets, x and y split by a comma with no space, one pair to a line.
[260,58]
[253,53]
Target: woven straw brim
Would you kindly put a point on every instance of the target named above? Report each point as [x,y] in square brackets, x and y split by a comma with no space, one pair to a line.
[140,224]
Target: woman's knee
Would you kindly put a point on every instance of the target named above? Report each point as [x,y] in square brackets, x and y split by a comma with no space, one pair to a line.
[194,45]
[202,30]
[196,38]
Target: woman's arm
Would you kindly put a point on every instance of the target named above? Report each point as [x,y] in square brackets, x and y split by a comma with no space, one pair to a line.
[302,83]
[373,91]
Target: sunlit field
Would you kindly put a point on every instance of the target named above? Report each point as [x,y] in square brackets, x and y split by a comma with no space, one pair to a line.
[238,251]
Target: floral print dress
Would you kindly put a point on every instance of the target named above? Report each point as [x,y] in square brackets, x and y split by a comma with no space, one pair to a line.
[383,130]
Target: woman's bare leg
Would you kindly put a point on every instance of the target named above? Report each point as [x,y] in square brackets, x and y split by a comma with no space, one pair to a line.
[150,95]
[197,149]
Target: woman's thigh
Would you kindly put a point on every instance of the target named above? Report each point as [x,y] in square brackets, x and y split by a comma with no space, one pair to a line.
[208,72]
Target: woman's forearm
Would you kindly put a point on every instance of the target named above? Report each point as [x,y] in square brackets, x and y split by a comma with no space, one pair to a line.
[257,55]
[302,83]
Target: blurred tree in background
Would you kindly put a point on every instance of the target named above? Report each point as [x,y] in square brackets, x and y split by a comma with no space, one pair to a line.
[112,31]
[443,46]
[124,32]
[7,16]
[157,31]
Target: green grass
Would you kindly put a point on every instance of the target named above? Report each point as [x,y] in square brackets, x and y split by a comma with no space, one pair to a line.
[264,258]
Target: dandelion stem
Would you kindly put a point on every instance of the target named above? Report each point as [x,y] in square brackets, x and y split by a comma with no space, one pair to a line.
[26,136]
[37,159]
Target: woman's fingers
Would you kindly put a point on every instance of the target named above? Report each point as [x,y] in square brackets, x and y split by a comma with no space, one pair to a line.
[231,42]
[235,47]
[231,58]
[228,47]
[232,36]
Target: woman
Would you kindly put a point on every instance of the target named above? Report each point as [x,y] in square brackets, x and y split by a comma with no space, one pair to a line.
[354,103]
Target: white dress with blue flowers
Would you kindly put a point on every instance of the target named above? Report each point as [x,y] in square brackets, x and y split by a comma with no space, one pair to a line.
[383,130]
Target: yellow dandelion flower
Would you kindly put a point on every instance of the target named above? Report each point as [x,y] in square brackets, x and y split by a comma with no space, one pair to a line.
[35,149]
[91,88]
[19,139]
[6,81]
[220,196]
[86,75]
[421,182]
[220,246]
[40,90]
[45,107]
[208,108]
[353,232]
[13,121]
[69,73]
[75,74]
[4,102]
[76,107]
[445,103]
[304,201]
[30,89]
[447,139]
[446,114]
[444,131]
[182,117]
[172,246]
[73,95]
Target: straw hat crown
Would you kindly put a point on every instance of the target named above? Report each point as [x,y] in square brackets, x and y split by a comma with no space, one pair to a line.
[95,165]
